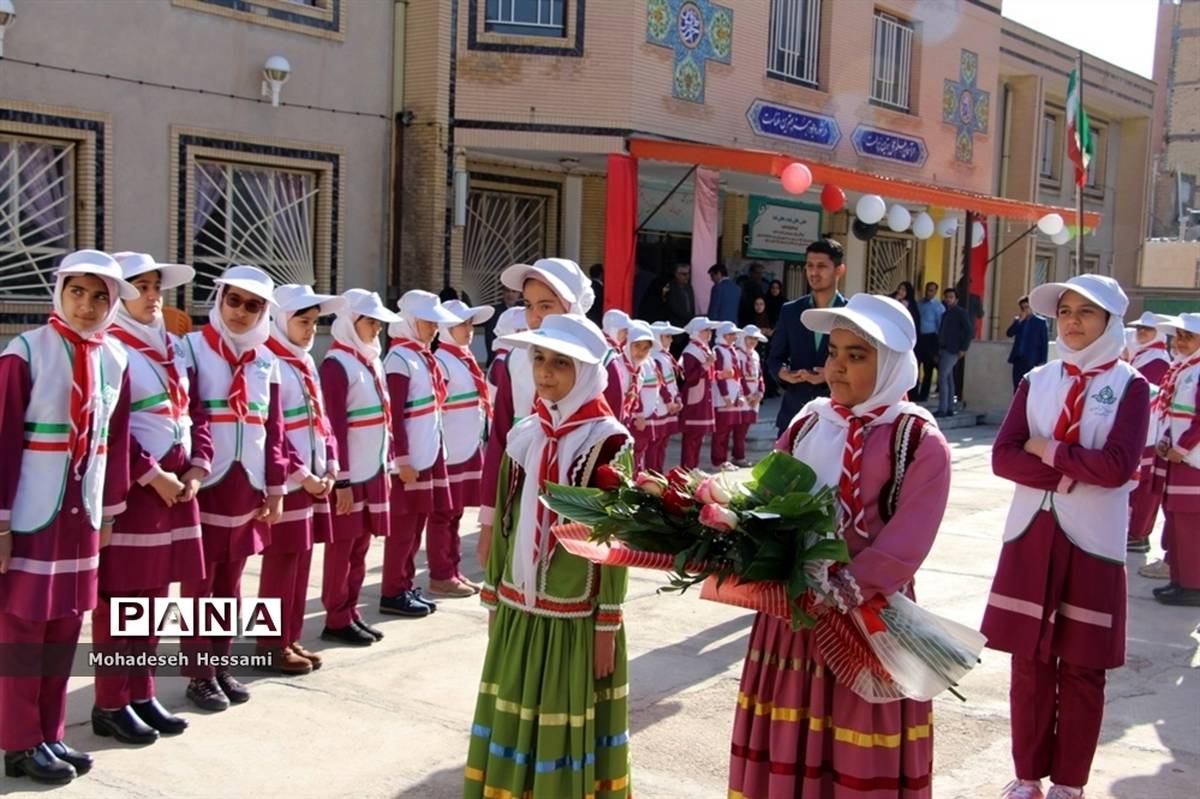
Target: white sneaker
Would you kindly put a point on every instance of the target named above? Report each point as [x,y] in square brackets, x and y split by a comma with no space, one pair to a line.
[1158,570]
[1063,792]
[1022,789]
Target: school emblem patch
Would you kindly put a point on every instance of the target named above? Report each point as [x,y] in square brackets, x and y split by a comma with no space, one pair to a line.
[1105,396]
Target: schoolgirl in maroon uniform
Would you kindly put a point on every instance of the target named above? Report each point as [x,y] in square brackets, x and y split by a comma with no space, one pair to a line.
[639,341]
[1148,354]
[730,404]
[670,373]
[699,375]
[753,388]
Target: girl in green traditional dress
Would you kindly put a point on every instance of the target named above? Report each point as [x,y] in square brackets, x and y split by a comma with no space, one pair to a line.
[552,719]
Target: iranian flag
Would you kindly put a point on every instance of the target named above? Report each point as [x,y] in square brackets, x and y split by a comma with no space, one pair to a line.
[1080,148]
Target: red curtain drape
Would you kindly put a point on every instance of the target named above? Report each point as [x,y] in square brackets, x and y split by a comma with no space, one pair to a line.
[979,265]
[620,224]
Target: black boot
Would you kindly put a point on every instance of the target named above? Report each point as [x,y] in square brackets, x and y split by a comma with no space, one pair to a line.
[82,761]
[206,694]
[1185,597]
[374,632]
[1163,589]
[424,600]
[233,689]
[124,725]
[158,717]
[39,764]
[403,604]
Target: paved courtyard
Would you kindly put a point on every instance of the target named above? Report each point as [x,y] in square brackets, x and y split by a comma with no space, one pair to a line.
[392,720]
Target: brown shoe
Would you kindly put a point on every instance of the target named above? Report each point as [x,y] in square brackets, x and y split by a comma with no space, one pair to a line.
[469,583]
[311,657]
[288,662]
[450,589]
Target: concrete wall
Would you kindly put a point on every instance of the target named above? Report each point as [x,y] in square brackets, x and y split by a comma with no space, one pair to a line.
[1171,264]
[174,45]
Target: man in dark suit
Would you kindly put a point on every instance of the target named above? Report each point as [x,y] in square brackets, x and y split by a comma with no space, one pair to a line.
[797,356]
[1031,342]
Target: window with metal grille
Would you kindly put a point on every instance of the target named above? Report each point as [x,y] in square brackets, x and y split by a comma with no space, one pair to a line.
[37,214]
[795,40]
[526,17]
[891,67]
[1043,269]
[251,214]
[503,228]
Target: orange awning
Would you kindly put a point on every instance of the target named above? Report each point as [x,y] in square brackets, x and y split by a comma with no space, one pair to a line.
[765,162]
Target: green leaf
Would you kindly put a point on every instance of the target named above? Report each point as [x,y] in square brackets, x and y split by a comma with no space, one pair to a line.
[779,473]
[588,506]
[830,549]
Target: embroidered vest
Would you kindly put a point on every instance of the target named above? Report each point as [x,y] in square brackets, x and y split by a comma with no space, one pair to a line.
[45,461]
[463,418]
[368,440]
[299,423]
[422,417]
[151,420]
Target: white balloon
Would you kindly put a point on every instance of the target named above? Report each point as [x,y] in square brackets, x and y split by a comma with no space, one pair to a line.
[947,226]
[1050,224]
[1062,236]
[870,209]
[922,225]
[898,218]
[977,233]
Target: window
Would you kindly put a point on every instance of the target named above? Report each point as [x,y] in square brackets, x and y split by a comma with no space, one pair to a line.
[37,214]
[795,40]
[1043,269]
[503,227]
[251,214]
[1051,151]
[891,66]
[1097,166]
[526,17]
[1091,265]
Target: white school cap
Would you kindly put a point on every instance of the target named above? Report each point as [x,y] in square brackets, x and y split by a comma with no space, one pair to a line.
[1100,289]
[567,334]
[882,318]
[100,264]
[139,263]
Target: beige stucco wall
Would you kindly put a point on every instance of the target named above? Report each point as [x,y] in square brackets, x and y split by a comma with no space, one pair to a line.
[1171,264]
[177,46]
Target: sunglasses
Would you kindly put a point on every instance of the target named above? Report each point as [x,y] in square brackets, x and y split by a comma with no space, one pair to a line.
[252,306]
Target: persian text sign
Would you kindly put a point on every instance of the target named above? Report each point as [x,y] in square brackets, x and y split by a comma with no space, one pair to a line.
[888,145]
[794,125]
[780,229]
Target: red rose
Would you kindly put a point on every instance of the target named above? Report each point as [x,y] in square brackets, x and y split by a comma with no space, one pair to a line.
[679,478]
[608,478]
[676,502]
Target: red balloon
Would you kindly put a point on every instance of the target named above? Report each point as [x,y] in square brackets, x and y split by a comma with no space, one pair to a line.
[796,178]
[832,198]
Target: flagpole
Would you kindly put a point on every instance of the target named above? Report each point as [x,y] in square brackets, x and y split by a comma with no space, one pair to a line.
[1079,119]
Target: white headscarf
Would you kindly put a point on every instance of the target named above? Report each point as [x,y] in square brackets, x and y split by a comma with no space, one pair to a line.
[279,332]
[895,374]
[1106,348]
[241,342]
[519,366]
[526,442]
[115,303]
[509,322]
[343,332]
[153,335]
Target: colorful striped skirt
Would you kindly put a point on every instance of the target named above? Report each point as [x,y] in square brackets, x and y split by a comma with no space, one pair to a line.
[799,733]
[544,727]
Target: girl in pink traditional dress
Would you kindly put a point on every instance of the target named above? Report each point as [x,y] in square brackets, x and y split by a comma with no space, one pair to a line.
[236,378]
[753,387]
[730,404]
[670,373]
[1148,354]
[797,731]
[421,484]
[623,376]
[360,413]
[699,374]
[157,540]
[1177,465]
[313,467]
[467,413]
[551,286]
[64,422]
[639,340]
[511,321]
[1071,442]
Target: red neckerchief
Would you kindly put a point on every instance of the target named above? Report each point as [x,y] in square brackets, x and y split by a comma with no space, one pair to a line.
[1153,345]
[320,422]
[849,489]
[630,401]
[238,402]
[709,362]
[1166,392]
[179,398]
[435,372]
[735,361]
[468,360]
[548,468]
[1066,429]
[82,386]
[384,400]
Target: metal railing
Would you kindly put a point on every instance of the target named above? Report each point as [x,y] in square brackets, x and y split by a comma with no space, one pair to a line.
[892,63]
[795,40]
[526,14]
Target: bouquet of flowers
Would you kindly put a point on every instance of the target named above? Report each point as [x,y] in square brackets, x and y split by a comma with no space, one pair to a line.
[770,544]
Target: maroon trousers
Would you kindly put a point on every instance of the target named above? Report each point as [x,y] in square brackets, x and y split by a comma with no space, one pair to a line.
[1181,539]
[721,436]
[689,457]
[117,687]
[443,547]
[285,577]
[1056,709]
[656,456]
[740,434]
[33,679]
[400,551]
[345,570]
[224,579]
[1145,500]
